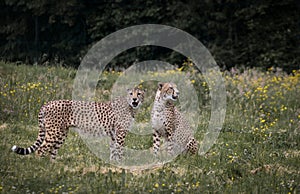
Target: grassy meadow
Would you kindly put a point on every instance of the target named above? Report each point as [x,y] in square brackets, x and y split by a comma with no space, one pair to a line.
[257,151]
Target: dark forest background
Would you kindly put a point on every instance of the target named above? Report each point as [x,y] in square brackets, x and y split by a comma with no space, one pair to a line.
[261,33]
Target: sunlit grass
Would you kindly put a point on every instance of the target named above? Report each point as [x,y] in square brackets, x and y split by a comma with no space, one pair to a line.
[257,150]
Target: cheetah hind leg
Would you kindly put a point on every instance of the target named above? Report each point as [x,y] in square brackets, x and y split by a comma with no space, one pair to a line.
[41,151]
[45,147]
[59,140]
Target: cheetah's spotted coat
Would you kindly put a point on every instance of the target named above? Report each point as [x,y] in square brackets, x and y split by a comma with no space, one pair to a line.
[113,118]
[169,123]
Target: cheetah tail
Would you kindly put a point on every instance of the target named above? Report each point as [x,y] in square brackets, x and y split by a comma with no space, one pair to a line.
[32,148]
[38,142]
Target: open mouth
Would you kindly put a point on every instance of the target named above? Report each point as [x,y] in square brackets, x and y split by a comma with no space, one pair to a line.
[135,104]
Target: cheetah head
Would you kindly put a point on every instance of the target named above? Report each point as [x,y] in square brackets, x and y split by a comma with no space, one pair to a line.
[135,97]
[168,91]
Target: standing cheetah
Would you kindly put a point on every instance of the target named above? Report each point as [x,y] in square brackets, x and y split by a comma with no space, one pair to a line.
[113,118]
[169,123]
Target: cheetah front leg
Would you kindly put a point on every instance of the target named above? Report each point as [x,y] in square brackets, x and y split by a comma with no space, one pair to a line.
[192,146]
[156,142]
[170,141]
[117,146]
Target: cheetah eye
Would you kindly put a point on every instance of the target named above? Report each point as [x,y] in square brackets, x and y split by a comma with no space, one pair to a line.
[130,93]
[139,94]
[171,88]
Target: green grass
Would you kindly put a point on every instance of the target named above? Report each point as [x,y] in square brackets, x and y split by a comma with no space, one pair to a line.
[257,150]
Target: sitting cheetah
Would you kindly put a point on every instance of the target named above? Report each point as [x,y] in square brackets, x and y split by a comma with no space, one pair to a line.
[169,123]
[113,118]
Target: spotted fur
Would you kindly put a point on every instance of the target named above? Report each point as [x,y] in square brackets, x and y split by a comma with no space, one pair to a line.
[169,123]
[113,118]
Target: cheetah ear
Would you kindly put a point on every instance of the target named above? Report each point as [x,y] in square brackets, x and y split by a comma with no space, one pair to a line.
[160,85]
[140,87]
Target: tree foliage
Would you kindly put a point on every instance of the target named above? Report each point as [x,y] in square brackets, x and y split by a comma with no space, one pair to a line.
[238,33]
